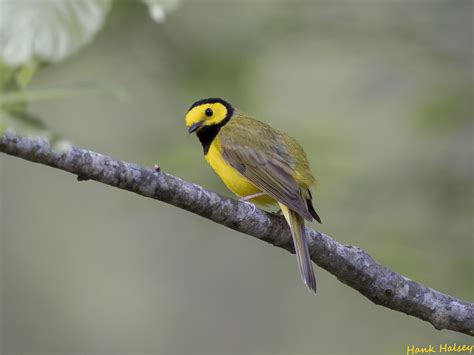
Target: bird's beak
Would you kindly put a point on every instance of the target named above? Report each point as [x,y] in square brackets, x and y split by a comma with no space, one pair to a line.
[195,126]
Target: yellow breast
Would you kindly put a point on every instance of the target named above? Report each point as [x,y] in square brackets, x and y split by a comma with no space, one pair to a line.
[234,181]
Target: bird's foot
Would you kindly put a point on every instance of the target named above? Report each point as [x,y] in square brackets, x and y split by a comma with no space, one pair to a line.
[249,197]
[157,168]
[249,204]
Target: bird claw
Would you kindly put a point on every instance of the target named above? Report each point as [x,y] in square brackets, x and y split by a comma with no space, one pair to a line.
[254,208]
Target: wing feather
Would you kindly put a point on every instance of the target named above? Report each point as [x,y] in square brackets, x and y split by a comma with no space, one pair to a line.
[269,168]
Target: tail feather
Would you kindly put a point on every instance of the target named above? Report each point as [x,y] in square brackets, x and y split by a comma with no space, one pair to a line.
[312,211]
[305,265]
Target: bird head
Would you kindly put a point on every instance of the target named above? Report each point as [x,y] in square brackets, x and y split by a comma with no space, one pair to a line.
[208,112]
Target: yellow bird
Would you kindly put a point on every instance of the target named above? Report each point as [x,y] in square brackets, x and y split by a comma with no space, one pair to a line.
[259,164]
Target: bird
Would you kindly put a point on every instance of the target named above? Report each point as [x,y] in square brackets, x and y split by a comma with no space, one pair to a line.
[260,165]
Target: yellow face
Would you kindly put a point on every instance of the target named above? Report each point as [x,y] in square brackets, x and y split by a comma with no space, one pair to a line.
[207,112]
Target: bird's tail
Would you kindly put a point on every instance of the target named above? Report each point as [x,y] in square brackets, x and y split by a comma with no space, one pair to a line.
[305,265]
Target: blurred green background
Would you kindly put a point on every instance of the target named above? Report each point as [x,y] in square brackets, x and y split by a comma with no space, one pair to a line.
[378,92]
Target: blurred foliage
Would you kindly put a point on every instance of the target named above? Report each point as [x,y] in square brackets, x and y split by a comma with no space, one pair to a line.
[47,30]
[445,110]
[159,8]
[378,93]
[33,32]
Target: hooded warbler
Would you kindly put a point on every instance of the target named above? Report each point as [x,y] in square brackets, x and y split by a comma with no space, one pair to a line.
[259,164]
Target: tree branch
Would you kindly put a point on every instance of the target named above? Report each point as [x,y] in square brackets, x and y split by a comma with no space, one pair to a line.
[349,264]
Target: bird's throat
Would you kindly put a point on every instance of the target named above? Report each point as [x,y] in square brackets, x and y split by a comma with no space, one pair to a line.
[207,134]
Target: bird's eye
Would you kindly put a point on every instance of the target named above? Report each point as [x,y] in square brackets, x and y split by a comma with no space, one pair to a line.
[209,112]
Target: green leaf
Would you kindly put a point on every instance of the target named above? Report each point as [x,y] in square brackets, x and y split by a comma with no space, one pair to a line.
[25,73]
[12,79]
[49,30]
[59,93]
[25,124]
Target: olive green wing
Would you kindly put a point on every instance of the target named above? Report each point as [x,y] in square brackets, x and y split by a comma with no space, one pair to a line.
[266,166]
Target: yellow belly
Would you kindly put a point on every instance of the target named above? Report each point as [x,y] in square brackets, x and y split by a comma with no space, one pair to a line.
[234,181]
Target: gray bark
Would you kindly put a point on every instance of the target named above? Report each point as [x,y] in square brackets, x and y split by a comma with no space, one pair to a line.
[349,264]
